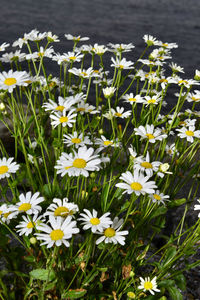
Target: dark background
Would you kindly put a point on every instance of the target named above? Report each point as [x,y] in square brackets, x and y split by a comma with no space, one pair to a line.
[104,21]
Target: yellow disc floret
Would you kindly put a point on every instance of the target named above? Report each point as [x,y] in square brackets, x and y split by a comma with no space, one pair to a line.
[109,232]
[3,169]
[56,234]
[136,186]
[10,81]
[79,163]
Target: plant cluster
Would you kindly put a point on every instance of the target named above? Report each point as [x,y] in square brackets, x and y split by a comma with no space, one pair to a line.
[92,162]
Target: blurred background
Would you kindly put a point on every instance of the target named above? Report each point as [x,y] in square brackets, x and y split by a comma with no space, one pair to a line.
[105,21]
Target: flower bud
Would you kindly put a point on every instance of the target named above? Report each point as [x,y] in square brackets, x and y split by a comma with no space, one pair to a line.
[33,240]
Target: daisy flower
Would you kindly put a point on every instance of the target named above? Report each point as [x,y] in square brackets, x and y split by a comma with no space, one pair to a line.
[76,38]
[90,220]
[5,211]
[150,133]
[130,98]
[41,53]
[36,36]
[28,204]
[78,163]
[165,81]
[144,165]
[83,73]
[122,63]
[103,142]
[64,119]
[119,112]
[83,108]
[58,233]
[112,234]
[197,207]
[109,92]
[150,40]
[61,208]
[186,82]
[52,37]
[175,68]
[13,56]
[151,100]
[188,133]
[4,46]
[28,224]
[99,49]
[63,103]
[68,57]
[7,166]
[193,97]
[147,284]
[136,183]
[163,169]
[9,80]
[159,197]
[76,140]
[119,48]
[171,150]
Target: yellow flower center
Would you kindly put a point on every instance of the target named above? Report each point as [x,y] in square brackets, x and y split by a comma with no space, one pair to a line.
[148,285]
[182,81]
[136,186]
[79,163]
[76,140]
[80,109]
[3,169]
[151,101]
[60,108]
[157,197]
[118,114]
[30,225]
[84,73]
[132,99]
[195,99]
[109,232]
[56,234]
[150,136]
[10,81]
[121,66]
[72,57]
[189,133]
[6,214]
[63,119]
[146,165]
[61,211]
[163,80]
[40,54]
[94,221]
[1,212]
[164,44]
[24,207]
[107,143]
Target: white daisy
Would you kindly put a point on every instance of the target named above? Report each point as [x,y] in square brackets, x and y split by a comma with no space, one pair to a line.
[175,68]
[144,165]
[159,197]
[28,224]
[52,37]
[41,53]
[193,97]
[90,220]
[76,38]
[170,150]
[120,113]
[7,166]
[64,119]
[99,49]
[122,63]
[83,73]
[63,103]
[76,140]
[150,40]
[4,46]
[13,56]
[60,231]
[130,98]
[136,183]
[150,133]
[188,133]
[28,204]
[112,234]
[154,100]
[9,80]
[5,211]
[78,163]
[103,142]
[119,48]
[109,92]
[61,208]
[163,169]
[147,284]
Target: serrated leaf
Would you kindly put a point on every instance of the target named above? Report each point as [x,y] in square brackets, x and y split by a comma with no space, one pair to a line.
[43,274]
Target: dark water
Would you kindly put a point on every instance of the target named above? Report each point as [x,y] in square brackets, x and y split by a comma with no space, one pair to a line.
[104,21]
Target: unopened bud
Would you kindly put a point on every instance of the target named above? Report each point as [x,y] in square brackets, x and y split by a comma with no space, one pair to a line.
[33,240]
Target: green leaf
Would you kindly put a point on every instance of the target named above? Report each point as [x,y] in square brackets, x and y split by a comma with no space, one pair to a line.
[159,211]
[180,281]
[43,274]
[28,125]
[169,255]
[174,293]
[176,202]
[74,294]
[46,191]
[166,283]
